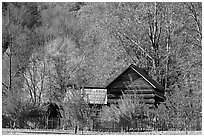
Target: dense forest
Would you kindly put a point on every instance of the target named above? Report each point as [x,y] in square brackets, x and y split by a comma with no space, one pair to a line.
[49,46]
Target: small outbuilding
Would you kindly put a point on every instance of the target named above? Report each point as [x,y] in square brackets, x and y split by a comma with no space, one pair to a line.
[53,116]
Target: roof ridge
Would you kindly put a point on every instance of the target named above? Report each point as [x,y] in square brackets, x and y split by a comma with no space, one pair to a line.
[123,70]
[147,77]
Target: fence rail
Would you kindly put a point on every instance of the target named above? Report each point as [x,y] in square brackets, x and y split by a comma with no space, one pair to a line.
[138,125]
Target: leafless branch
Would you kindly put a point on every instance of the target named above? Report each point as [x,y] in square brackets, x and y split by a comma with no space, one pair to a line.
[5,85]
[192,9]
[29,87]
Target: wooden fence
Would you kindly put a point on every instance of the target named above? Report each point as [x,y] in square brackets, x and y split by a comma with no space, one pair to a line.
[141,125]
[138,125]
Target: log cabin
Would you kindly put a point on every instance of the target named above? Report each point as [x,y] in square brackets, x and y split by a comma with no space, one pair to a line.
[135,79]
[132,79]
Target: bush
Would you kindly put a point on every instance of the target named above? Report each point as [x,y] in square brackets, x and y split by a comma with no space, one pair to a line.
[126,114]
[181,111]
[77,112]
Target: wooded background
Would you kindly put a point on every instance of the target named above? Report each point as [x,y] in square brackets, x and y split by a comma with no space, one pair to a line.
[49,46]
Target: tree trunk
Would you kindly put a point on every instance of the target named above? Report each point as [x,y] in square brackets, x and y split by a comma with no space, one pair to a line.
[75,129]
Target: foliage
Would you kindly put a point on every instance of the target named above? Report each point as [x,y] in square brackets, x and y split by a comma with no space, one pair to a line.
[19,112]
[181,112]
[76,109]
[127,113]
[53,45]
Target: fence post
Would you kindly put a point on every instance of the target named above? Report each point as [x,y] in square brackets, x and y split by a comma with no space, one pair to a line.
[59,123]
[52,123]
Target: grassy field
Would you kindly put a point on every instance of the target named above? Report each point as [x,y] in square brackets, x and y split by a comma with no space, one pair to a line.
[34,132]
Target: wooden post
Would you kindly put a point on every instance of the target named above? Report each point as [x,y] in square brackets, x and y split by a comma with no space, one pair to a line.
[47,122]
[52,123]
[59,123]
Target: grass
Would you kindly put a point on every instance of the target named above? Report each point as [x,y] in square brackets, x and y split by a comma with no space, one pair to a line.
[35,131]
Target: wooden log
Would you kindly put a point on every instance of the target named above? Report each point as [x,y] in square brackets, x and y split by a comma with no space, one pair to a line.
[111,96]
[143,91]
[147,96]
[119,92]
[149,101]
[142,96]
